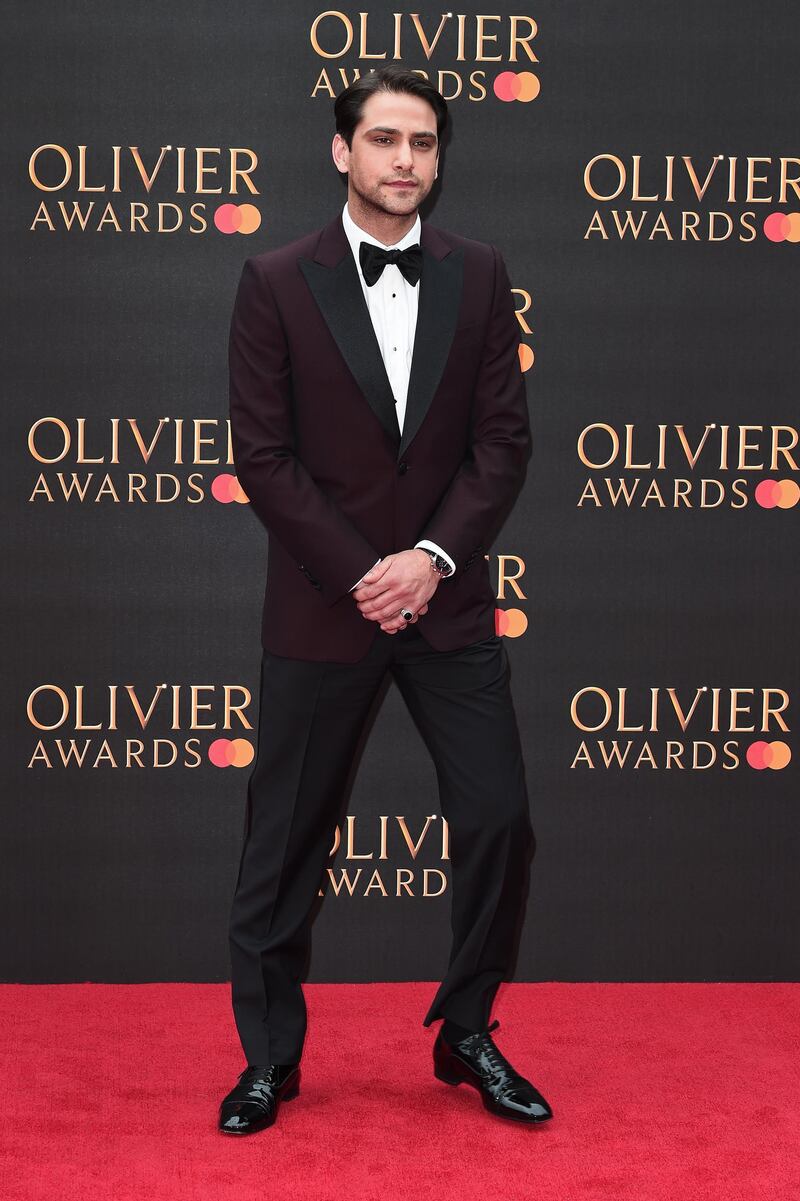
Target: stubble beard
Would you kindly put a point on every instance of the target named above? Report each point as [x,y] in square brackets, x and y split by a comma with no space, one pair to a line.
[375,201]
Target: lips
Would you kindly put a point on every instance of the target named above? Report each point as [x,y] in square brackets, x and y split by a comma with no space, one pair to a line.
[401,183]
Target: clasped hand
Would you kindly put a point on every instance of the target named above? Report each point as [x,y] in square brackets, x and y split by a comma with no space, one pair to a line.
[402,581]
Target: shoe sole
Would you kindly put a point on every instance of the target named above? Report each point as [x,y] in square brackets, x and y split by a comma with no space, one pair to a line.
[487,1105]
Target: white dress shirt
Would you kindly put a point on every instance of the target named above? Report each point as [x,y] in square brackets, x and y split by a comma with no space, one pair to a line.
[392,303]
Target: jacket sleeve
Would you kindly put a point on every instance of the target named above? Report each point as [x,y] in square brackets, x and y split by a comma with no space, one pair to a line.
[308,524]
[483,490]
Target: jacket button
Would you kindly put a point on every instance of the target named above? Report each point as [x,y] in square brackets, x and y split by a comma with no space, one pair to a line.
[402,467]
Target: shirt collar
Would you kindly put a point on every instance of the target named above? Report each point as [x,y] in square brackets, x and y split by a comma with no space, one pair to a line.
[356,235]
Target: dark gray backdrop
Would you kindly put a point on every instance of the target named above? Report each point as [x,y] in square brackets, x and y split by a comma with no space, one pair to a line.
[126,874]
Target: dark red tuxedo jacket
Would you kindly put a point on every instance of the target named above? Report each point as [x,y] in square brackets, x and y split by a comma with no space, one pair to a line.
[318,448]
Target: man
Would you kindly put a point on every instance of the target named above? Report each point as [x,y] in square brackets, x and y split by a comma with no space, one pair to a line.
[381,432]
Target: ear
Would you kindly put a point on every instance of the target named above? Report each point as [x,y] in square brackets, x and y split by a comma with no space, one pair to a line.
[340,153]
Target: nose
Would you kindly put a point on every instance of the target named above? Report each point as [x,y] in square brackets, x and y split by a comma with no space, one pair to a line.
[404,158]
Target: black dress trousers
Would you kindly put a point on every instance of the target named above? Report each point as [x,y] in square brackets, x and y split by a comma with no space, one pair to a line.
[311,718]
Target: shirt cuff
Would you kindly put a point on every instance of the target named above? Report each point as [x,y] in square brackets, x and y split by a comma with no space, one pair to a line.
[375,564]
[425,544]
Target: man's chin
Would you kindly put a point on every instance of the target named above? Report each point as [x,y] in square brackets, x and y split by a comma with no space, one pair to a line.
[398,201]
[393,203]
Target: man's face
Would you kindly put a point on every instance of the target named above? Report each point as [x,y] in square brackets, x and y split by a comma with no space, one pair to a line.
[393,160]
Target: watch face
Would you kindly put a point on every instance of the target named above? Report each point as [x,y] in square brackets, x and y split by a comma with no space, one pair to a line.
[439,563]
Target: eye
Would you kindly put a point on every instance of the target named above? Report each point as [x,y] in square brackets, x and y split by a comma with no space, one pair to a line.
[383,138]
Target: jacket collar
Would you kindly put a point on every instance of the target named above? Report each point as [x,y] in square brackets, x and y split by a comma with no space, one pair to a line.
[333,277]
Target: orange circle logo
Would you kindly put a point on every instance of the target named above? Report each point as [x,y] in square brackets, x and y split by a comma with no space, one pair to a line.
[768,754]
[526,356]
[237,218]
[516,85]
[510,623]
[782,227]
[777,494]
[231,752]
[226,488]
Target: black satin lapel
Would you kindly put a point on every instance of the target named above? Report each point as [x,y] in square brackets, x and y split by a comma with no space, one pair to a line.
[439,302]
[337,291]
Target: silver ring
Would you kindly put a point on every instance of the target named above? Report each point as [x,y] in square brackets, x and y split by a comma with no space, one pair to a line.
[407,614]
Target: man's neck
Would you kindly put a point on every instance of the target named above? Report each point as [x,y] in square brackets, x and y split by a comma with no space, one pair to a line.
[388,228]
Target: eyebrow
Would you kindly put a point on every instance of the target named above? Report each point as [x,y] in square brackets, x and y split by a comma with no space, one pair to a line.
[423,133]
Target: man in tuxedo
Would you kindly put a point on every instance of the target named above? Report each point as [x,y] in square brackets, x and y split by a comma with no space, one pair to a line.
[380,430]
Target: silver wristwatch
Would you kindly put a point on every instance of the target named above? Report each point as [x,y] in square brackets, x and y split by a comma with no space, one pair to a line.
[437,562]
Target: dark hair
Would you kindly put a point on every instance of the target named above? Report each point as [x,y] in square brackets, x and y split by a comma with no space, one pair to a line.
[390,78]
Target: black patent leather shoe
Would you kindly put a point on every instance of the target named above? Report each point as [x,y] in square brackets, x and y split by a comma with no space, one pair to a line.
[253,1103]
[477,1061]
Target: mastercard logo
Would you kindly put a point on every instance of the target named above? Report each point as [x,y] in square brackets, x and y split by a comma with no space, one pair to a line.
[510,623]
[768,754]
[226,489]
[516,85]
[231,752]
[237,218]
[777,494]
[782,227]
[526,357]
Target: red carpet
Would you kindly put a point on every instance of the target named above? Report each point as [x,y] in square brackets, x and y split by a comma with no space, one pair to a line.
[680,1092]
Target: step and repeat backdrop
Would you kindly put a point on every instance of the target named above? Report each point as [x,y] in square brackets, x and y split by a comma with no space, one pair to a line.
[639,168]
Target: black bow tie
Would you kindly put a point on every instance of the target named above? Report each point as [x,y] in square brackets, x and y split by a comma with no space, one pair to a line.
[374,259]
